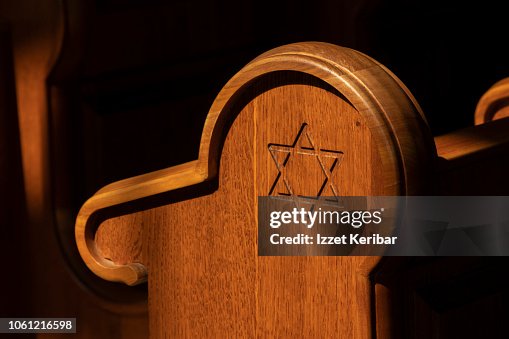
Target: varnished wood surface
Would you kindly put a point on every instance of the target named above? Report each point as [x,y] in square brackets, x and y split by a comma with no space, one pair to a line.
[212,268]
[471,143]
[35,30]
[474,160]
[398,129]
[201,252]
[494,103]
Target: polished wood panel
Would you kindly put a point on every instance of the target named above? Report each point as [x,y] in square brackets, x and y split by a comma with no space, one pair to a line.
[403,141]
[264,293]
[197,244]
[472,143]
[32,33]
[199,249]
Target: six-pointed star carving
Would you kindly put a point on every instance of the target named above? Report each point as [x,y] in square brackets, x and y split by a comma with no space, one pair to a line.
[304,145]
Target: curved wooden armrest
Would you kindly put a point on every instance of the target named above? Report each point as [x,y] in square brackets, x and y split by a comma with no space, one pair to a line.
[119,193]
[493,104]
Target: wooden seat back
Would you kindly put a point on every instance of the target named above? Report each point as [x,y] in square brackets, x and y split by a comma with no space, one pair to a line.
[308,119]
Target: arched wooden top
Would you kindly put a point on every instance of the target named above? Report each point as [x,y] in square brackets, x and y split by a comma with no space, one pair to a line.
[389,107]
[392,115]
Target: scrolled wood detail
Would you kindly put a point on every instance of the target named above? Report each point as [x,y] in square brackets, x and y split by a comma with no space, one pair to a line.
[119,193]
[391,114]
[494,104]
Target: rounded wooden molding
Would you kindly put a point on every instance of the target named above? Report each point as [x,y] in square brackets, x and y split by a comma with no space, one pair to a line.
[493,104]
[392,112]
[119,193]
[402,136]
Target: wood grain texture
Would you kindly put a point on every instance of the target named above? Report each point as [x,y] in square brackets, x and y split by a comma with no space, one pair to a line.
[13,224]
[269,296]
[494,103]
[201,249]
[396,125]
[470,143]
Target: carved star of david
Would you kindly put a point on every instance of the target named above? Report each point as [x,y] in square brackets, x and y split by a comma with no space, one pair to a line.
[303,145]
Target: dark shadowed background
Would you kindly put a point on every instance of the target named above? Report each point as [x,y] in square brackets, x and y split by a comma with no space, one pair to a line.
[148,70]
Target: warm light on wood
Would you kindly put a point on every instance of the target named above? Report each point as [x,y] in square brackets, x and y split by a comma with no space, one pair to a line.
[201,252]
[494,103]
[350,128]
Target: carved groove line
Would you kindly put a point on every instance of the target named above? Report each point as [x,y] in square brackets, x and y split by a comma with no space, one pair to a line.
[296,149]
